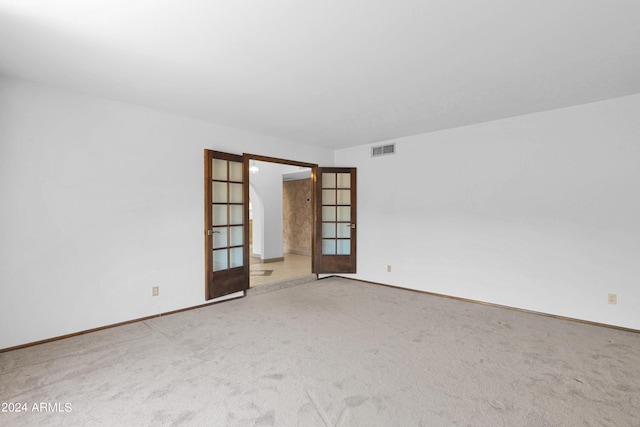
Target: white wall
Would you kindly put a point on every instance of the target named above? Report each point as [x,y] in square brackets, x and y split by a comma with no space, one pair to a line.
[540,212]
[266,184]
[257,214]
[100,201]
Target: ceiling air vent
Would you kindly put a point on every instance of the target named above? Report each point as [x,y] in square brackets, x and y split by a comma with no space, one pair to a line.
[383,150]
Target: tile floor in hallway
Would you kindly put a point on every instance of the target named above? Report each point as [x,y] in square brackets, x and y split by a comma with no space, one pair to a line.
[293,266]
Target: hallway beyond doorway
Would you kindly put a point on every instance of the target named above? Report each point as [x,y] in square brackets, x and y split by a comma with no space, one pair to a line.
[292,267]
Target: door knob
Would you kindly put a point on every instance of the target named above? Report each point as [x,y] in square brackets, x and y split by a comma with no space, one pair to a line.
[212,232]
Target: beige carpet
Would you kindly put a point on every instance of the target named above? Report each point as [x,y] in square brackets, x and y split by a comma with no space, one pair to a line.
[332,353]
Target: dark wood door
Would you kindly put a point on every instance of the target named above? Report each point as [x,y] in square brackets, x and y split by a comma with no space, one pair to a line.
[335,234]
[226,224]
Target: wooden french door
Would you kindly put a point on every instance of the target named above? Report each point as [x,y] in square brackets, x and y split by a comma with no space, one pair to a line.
[335,220]
[226,224]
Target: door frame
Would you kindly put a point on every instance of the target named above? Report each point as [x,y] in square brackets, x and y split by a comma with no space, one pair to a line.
[314,168]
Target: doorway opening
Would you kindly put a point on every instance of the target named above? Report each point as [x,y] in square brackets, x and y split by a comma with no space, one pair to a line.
[281,225]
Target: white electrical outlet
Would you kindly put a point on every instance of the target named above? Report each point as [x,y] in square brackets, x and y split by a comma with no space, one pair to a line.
[155,291]
[613,298]
[389,268]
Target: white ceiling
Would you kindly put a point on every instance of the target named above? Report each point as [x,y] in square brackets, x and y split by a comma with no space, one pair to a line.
[333,73]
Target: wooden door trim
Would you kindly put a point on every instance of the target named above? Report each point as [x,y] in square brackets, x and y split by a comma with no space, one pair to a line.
[208,240]
[278,160]
[314,220]
[245,231]
[314,170]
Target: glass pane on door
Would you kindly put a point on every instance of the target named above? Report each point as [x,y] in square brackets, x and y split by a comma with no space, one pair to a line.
[235,193]
[219,190]
[344,197]
[328,180]
[219,213]
[328,197]
[235,259]
[344,247]
[235,236]
[328,213]
[235,171]
[220,237]
[328,230]
[343,180]
[236,215]
[328,246]
[344,230]
[344,213]
[220,260]
[219,169]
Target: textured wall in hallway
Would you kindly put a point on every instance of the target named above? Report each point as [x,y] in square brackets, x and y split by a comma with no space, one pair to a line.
[297,216]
